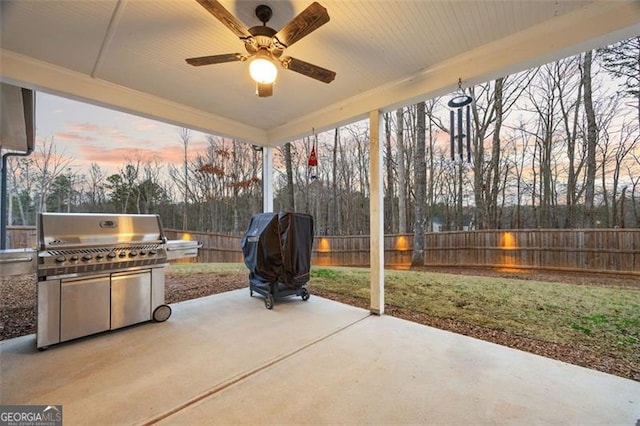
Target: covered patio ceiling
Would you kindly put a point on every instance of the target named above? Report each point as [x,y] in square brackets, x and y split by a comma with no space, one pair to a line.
[129,55]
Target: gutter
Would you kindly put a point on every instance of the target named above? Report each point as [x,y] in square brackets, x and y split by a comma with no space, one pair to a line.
[28,104]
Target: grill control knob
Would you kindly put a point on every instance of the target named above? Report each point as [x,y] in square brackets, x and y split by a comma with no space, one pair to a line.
[122,254]
[74,257]
[60,259]
[133,253]
[111,255]
[152,252]
[100,256]
[142,252]
[87,257]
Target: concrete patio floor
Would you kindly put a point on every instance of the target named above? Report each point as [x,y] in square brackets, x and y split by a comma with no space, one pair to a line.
[226,359]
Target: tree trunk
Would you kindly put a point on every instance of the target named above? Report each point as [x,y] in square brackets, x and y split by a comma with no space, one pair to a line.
[290,204]
[574,170]
[390,184]
[495,156]
[402,184]
[337,230]
[420,185]
[592,140]
[479,187]
[185,136]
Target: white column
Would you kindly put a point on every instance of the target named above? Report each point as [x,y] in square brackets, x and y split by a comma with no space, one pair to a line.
[376,213]
[267,179]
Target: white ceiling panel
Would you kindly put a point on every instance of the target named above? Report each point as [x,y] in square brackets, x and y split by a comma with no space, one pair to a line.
[129,55]
[54,32]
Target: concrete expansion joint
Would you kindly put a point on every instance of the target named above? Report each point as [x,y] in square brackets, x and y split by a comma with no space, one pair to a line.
[240,377]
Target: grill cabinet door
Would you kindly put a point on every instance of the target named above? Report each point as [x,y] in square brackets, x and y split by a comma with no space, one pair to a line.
[84,307]
[130,298]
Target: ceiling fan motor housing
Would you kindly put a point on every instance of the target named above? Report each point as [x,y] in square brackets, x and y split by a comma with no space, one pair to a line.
[264,13]
[263,40]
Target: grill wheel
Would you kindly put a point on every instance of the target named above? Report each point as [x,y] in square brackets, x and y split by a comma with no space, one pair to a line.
[161,313]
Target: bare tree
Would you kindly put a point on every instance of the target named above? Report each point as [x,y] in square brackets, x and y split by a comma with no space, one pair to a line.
[49,165]
[290,204]
[390,190]
[402,179]
[336,217]
[492,103]
[420,184]
[519,154]
[149,191]
[614,154]
[96,182]
[634,179]
[592,141]
[435,127]
[570,100]
[20,190]
[622,59]
[185,137]
[545,104]
[129,174]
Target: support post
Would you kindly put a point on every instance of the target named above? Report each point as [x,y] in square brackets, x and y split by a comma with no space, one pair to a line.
[267,179]
[376,213]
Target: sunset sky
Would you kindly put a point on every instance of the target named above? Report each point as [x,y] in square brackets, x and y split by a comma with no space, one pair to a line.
[88,133]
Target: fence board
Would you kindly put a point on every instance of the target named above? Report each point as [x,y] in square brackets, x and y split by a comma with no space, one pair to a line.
[587,250]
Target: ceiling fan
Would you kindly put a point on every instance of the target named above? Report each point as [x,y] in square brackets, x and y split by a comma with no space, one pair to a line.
[265,46]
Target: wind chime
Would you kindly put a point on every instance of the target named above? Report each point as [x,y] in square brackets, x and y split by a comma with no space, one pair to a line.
[313,158]
[460,112]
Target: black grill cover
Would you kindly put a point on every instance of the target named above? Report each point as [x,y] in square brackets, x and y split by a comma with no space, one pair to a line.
[277,249]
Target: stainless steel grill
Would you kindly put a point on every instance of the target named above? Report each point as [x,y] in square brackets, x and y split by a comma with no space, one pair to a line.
[99,272]
[72,243]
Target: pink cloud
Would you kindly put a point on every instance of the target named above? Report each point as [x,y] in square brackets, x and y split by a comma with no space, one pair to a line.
[73,137]
[115,134]
[198,145]
[144,125]
[83,127]
[117,156]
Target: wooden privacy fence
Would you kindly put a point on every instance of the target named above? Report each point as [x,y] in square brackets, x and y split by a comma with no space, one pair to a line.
[21,237]
[591,250]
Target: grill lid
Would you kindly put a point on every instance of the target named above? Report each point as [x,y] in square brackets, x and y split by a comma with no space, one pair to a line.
[76,230]
[83,243]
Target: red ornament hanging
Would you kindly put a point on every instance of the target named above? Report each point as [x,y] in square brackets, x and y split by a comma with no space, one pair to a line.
[313,159]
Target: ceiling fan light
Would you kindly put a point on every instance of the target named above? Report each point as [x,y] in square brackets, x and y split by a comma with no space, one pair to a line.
[263,70]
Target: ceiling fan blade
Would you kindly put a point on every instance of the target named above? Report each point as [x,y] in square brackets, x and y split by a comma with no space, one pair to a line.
[215,59]
[309,20]
[216,9]
[310,70]
[264,90]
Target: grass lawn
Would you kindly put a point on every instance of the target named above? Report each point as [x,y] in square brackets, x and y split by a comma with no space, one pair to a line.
[605,320]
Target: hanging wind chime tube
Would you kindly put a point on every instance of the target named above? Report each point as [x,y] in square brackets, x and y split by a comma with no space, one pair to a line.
[469,134]
[460,112]
[452,135]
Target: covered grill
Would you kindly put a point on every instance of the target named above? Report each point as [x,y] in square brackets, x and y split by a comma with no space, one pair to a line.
[99,272]
[277,252]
